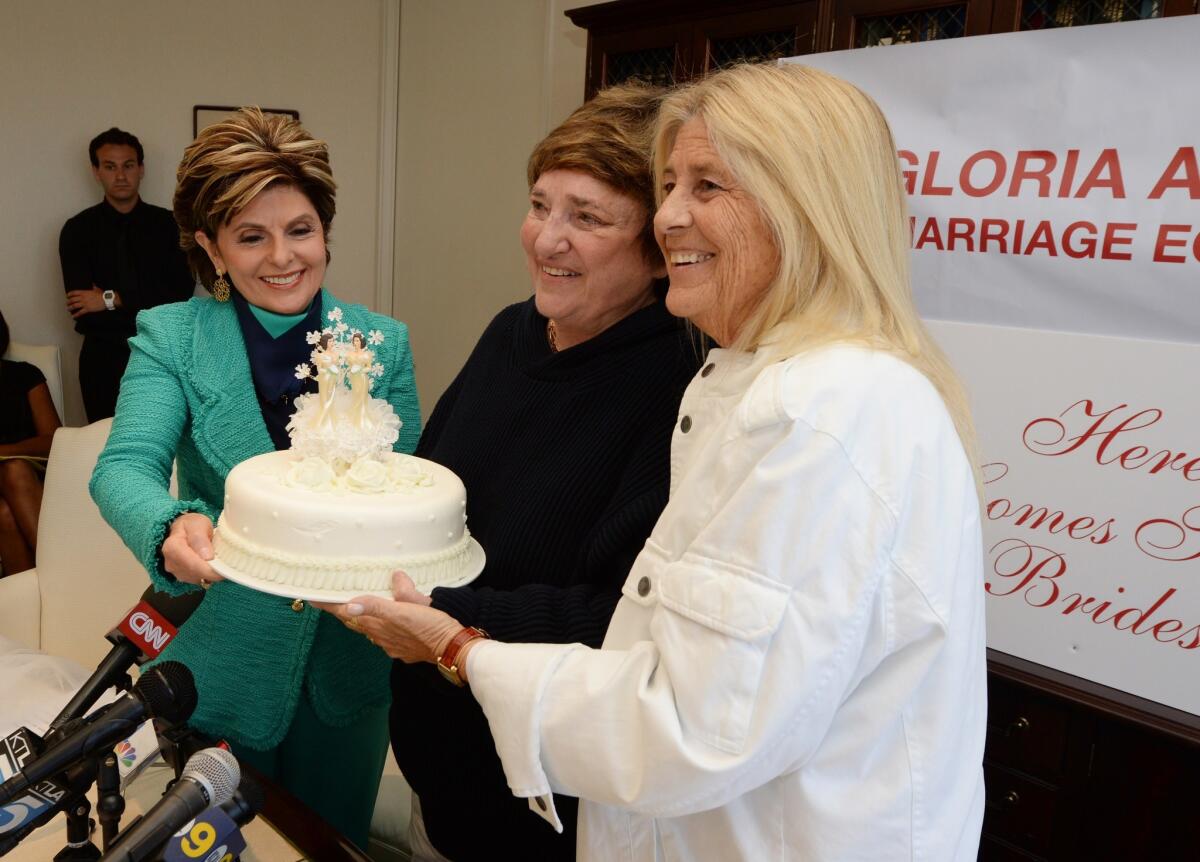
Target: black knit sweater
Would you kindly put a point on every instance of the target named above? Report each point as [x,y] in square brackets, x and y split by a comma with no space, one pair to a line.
[566,460]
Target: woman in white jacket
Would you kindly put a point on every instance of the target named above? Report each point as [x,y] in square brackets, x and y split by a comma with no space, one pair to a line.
[796,669]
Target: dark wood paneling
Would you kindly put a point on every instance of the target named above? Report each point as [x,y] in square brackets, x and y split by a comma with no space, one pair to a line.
[847,13]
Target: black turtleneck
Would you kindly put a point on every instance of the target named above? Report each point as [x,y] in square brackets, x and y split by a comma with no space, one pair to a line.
[136,254]
[566,461]
[273,361]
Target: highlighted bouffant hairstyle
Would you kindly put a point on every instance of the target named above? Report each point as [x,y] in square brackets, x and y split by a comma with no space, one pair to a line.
[231,162]
[609,138]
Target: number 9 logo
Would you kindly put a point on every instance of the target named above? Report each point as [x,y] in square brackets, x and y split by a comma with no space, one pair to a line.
[199,840]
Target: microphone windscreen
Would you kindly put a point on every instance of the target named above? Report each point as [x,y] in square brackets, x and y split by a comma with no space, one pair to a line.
[218,770]
[168,691]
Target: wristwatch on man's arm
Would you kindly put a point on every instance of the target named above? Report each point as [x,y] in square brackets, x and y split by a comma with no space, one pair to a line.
[110,299]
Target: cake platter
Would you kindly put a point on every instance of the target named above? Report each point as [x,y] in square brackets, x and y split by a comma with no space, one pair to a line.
[470,572]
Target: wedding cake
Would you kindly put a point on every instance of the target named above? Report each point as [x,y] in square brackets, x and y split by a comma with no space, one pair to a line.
[340,511]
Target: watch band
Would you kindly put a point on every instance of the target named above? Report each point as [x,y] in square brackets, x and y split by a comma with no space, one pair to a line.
[447,662]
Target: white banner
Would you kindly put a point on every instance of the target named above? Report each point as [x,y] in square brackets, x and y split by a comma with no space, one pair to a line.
[1055,195]
[1053,175]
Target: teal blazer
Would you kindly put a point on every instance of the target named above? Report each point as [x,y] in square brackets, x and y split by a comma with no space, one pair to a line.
[187,398]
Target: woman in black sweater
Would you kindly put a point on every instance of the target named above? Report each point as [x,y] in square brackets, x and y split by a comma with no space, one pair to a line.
[559,425]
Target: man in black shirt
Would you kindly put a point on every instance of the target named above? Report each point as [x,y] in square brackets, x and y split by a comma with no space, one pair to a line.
[118,257]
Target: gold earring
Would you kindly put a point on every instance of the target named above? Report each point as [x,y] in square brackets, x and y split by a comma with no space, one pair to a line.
[220,288]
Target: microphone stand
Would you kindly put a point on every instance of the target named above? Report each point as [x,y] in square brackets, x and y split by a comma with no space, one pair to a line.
[110,804]
[79,833]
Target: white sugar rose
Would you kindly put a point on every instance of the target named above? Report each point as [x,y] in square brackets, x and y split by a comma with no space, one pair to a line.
[312,473]
[367,476]
[406,473]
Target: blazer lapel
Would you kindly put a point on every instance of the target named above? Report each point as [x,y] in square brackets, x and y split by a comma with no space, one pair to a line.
[227,424]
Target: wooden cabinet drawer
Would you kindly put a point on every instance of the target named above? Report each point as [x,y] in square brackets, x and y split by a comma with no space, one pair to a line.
[1026,731]
[1020,810]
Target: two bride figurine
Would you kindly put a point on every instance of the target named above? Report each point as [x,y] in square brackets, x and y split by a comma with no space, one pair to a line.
[339,360]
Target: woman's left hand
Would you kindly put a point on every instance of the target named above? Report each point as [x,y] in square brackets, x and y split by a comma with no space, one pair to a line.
[404,630]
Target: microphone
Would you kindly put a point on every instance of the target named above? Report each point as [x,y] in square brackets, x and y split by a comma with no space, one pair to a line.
[209,778]
[216,833]
[166,691]
[140,635]
[40,803]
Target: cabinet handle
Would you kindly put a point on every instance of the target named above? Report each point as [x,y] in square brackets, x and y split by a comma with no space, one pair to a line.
[1019,726]
[1012,799]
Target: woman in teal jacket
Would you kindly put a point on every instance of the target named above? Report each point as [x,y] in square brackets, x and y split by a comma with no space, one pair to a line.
[210,383]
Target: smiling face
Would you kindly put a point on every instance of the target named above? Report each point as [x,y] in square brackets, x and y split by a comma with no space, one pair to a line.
[582,241]
[119,174]
[720,254]
[273,250]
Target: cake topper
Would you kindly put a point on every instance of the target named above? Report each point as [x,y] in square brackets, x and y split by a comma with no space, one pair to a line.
[342,422]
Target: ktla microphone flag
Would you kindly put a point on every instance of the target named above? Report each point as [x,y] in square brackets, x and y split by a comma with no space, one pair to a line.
[1054,188]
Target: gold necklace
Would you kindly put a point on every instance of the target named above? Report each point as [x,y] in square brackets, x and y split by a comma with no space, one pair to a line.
[552,336]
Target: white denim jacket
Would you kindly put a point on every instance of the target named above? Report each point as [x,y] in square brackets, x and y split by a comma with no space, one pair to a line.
[796,669]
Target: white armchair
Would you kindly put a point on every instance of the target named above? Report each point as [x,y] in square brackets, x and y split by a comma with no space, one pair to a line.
[85,577]
[48,360]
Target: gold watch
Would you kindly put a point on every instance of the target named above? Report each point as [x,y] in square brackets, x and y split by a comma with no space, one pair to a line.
[448,661]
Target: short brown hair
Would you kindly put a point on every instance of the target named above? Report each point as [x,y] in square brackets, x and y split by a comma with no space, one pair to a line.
[230,162]
[608,138]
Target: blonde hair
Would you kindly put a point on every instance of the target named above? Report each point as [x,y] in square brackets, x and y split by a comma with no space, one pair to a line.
[818,157]
[230,162]
[608,138]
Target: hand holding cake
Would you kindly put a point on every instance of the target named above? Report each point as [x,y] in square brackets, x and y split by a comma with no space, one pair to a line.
[405,626]
[188,549]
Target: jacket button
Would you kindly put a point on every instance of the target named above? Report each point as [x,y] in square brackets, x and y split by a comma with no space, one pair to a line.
[685,424]
[708,369]
[644,586]
[298,605]
[541,803]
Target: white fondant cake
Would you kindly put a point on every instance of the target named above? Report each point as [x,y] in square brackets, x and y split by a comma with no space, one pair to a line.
[340,511]
[292,521]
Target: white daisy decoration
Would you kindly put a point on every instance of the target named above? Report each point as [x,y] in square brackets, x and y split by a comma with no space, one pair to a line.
[341,327]
[313,337]
[303,371]
[375,370]
[336,314]
[375,337]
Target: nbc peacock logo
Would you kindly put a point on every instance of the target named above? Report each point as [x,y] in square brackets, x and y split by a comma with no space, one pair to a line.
[127,753]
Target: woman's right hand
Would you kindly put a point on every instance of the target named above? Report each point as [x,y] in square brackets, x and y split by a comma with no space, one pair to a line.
[188,548]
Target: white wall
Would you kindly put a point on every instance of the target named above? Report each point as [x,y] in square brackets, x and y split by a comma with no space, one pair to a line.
[478,83]
[70,69]
[481,82]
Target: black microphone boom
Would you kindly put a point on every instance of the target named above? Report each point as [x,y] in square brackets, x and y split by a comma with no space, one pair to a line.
[150,637]
[209,778]
[166,691]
